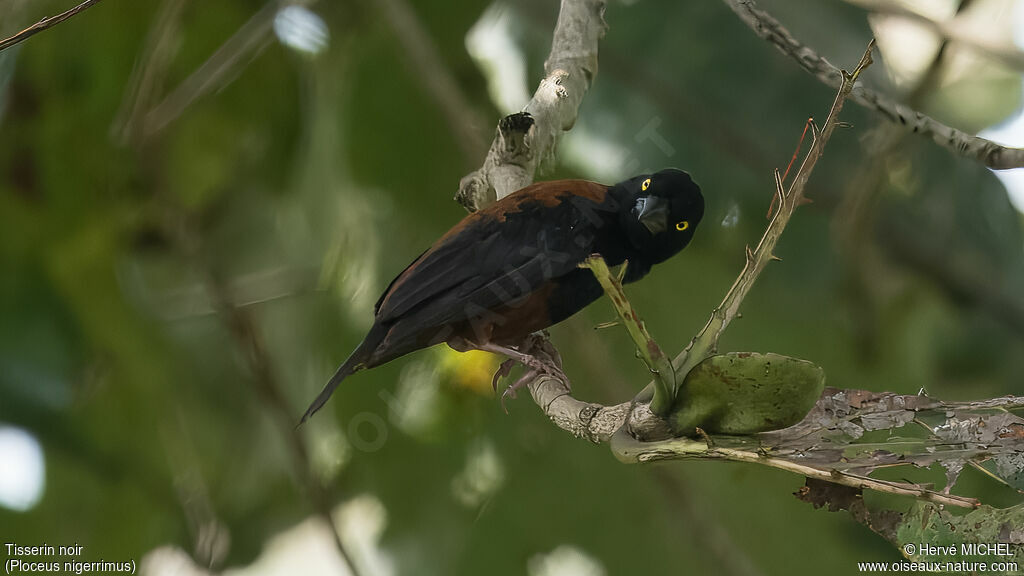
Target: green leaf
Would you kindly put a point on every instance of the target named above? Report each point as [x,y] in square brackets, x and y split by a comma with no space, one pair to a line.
[746,393]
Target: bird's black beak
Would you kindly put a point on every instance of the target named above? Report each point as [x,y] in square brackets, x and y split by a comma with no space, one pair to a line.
[652,212]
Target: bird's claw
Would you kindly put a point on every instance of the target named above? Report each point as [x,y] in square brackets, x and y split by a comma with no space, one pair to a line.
[503,370]
[510,391]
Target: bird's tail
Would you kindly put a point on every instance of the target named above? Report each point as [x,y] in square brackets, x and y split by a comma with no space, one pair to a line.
[355,362]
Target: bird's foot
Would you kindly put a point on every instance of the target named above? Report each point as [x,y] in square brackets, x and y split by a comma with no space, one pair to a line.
[542,357]
[536,353]
[544,365]
[545,354]
[539,356]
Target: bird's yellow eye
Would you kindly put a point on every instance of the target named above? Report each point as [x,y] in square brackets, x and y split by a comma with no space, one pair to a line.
[682,225]
[645,185]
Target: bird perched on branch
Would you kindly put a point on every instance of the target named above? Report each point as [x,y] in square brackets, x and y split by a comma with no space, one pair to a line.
[512,269]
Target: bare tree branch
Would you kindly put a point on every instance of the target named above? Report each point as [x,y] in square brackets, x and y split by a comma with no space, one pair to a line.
[594,422]
[526,138]
[522,140]
[44,24]
[984,151]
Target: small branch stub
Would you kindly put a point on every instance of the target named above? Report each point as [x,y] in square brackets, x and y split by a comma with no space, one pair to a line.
[44,24]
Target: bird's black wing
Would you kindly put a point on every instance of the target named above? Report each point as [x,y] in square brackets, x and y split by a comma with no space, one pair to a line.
[499,254]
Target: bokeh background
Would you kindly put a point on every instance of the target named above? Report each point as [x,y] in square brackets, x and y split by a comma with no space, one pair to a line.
[201,201]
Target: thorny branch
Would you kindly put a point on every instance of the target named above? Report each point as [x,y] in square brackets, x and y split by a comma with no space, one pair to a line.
[706,342]
[985,151]
[643,421]
[657,362]
[44,24]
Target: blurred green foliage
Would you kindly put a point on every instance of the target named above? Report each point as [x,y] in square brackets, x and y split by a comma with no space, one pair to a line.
[302,184]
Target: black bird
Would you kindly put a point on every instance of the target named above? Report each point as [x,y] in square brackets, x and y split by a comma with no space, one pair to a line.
[512,269]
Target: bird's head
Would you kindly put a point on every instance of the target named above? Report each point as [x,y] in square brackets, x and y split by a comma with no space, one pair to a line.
[661,213]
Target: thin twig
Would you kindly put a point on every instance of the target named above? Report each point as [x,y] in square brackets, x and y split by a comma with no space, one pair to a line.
[628,449]
[44,24]
[652,355]
[150,70]
[985,151]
